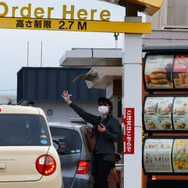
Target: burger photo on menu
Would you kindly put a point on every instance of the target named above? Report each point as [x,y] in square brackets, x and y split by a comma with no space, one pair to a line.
[181,111]
[151,110]
[151,125]
[158,76]
[165,111]
[180,125]
[166,125]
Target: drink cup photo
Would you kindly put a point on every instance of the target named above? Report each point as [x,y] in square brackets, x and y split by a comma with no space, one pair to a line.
[182,78]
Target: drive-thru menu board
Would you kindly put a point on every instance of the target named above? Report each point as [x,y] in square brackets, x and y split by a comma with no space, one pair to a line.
[165,155]
[158,113]
[166,72]
[157,155]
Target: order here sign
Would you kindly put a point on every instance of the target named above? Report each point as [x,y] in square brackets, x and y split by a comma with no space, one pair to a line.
[129,122]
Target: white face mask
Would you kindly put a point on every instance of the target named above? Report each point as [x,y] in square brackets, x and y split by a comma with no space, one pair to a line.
[103,109]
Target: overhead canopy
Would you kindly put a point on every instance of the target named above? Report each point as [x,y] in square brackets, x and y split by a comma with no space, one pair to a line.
[101,77]
[92,57]
[146,6]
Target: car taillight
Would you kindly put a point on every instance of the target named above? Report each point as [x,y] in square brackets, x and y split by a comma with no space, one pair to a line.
[46,165]
[82,167]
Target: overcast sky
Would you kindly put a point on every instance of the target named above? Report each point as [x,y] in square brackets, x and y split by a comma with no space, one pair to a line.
[13,45]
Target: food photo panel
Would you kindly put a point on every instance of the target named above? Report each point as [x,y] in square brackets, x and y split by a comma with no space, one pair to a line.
[158,71]
[180,71]
[157,156]
[180,113]
[180,156]
[158,113]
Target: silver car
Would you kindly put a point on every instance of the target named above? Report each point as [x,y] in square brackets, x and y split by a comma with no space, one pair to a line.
[76,146]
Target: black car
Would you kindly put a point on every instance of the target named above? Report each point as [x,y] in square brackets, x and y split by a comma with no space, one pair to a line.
[76,146]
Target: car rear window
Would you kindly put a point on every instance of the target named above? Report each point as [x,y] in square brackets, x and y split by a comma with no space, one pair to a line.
[23,130]
[69,140]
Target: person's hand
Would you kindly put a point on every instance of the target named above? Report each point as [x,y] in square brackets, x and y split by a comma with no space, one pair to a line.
[65,95]
[101,129]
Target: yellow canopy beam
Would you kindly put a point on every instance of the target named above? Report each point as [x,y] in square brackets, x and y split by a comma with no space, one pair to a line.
[74,25]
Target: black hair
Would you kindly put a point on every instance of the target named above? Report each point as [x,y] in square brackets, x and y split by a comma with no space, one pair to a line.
[104,101]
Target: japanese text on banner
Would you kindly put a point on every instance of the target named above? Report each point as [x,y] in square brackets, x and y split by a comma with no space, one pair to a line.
[129,122]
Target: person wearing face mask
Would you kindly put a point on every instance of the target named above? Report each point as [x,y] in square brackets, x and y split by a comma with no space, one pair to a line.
[106,131]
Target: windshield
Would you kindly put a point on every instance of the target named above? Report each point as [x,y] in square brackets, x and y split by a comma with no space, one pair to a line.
[23,130]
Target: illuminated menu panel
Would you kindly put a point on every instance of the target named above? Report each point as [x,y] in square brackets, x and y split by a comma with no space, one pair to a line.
[158,113]
[165,114]
[180,71]
[180,113]
[180,156]
[157,156]
[158,72]
[166,72]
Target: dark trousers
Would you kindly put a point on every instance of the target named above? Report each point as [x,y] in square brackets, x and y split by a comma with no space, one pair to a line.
[102,170]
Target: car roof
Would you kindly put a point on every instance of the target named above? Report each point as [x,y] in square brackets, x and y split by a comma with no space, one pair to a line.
[17,109]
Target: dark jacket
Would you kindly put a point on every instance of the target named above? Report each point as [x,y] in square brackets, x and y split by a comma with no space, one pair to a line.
[104,141]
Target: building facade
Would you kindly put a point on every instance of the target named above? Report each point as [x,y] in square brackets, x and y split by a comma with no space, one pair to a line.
[42,87]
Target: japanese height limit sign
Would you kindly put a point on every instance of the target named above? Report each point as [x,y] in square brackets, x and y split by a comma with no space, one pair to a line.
[74,25]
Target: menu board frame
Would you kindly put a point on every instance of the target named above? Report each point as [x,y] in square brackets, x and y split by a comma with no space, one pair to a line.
[173,86]
[172,149]
[173,130]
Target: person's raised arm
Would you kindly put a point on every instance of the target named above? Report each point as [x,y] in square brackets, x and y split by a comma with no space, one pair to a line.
[90,118]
